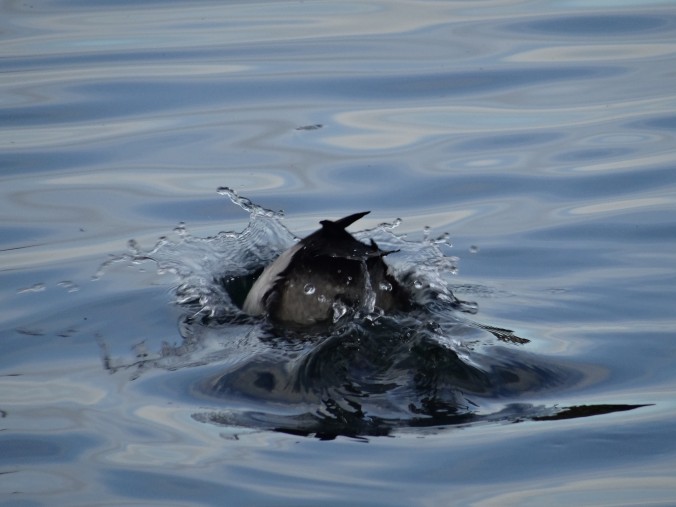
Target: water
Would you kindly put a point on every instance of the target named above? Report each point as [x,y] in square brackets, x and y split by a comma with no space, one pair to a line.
[540,137]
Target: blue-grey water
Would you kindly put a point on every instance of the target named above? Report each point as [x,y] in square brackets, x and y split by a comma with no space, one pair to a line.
[540,136]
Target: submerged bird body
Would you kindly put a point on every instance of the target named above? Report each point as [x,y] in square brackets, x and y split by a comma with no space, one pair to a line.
[323,275]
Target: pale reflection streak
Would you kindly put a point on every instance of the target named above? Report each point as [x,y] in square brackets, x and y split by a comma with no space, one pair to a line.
[40,482]
[622,205]
[17,138]
[200,25]
[21,391]
[48,401]
[176,182]
[165,449]
[177,439]
[593,53]
[626,163]
[625,489]
[109,72]
[37,256]
[390,128]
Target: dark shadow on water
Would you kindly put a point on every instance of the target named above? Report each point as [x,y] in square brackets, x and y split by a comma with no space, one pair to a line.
[586,411]
[431,365]
[370,378]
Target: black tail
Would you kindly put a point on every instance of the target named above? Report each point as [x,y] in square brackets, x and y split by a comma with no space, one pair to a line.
[344,222]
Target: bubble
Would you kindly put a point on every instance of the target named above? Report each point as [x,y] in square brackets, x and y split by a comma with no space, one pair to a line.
[321,298]
[417,284]
[473,249]
[309,289]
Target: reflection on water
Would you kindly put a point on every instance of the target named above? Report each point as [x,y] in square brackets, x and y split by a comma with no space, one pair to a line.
[540,135]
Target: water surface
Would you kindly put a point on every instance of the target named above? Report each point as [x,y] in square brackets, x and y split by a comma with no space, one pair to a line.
[539,136]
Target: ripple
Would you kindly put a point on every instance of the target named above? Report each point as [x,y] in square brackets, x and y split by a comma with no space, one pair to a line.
[369,373]
[520,127]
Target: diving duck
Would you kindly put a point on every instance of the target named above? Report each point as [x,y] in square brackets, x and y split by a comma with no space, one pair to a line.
[323,276]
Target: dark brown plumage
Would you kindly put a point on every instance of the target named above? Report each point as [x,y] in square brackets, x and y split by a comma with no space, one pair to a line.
[322,276]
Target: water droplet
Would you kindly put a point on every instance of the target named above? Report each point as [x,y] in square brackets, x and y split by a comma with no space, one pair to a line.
[134,247]
[309,289]
[473,249]
[69,286]
[468,307]
[38,287]
[247,205]
[417,284]
[180,229]
[385,286]
[444,239]
[444,297]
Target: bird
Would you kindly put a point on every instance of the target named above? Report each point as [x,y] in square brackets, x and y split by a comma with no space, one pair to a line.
[323,276]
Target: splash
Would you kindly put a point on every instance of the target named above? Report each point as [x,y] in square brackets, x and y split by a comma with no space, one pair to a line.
[204,266]
[367,373]
[212,272]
